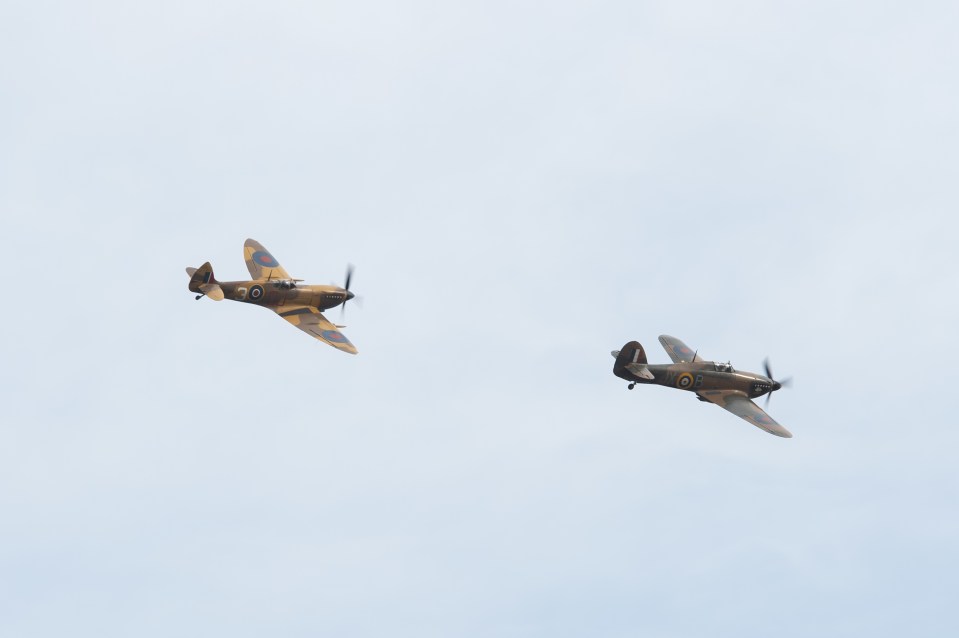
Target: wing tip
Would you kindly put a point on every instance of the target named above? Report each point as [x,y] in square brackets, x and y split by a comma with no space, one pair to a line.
[779,431]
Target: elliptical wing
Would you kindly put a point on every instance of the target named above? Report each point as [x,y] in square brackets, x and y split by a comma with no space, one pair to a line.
[261,263]
[312,322]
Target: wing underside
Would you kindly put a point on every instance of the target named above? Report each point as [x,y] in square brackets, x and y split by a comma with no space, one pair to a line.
[678,351]
[311,321]
[740,405]
[262,264]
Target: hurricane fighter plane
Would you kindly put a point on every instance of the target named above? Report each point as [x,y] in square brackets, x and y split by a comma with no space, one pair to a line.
[273,288]
[712,381]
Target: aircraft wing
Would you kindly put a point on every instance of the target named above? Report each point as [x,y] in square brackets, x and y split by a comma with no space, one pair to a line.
[311,321]
[261,264]
[740,405]
[678,351]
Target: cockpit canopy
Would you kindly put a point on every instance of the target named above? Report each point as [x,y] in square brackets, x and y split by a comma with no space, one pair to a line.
[723,367]
[285,284]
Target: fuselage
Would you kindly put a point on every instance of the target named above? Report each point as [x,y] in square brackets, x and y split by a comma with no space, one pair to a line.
[700,376]
[276,294]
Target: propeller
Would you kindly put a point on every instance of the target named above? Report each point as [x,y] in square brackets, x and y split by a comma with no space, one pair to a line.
[346,287]
[785,383]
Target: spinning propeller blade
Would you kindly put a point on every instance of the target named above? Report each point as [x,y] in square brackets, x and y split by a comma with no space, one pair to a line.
[346,287]
[785,383]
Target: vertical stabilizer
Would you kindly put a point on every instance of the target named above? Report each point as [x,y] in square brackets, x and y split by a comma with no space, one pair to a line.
[203,282]
[631,363]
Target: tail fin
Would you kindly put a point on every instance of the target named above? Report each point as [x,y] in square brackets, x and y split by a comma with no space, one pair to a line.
[203,282]
[200,276]
[631,362]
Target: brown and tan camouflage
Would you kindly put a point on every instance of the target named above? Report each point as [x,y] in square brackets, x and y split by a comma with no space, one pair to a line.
[711,381]
[273,288]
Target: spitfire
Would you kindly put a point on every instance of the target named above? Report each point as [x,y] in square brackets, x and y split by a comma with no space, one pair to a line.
[711,381]
[273,288]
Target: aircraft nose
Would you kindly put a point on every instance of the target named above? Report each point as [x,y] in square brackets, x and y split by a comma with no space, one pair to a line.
[349,295]
[776,386]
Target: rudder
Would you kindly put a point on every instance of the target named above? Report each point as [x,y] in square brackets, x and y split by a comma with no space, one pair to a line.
[631,353]
[203,282]
[200,276]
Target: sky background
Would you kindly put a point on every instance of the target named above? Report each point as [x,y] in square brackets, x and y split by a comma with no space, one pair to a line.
[523,187]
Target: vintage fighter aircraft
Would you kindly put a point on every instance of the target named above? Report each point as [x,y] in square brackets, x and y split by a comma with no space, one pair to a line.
[712,381]
[273,288]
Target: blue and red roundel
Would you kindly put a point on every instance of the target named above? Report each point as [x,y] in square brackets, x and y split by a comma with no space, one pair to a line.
[265,259]
[762,418]
[334,336]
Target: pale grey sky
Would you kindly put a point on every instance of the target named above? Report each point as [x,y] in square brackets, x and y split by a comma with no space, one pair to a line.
[523,188]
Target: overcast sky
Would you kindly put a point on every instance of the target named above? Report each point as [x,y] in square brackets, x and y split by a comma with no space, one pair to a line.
[523,187]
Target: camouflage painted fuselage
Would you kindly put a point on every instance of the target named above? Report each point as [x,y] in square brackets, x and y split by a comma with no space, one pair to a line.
[701,376]
[276,295]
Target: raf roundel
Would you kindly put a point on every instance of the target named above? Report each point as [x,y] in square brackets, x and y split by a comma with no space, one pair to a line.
[684,381]
[763,419]
[334,336]
[256,292]
[265,259]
